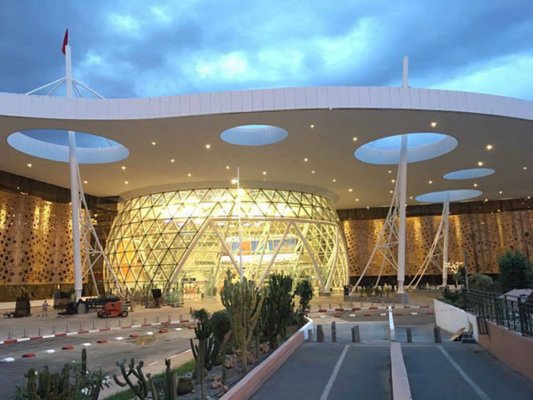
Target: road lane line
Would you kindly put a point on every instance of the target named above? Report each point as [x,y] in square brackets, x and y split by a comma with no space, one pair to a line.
[334,374]
[482,395]
[153,363]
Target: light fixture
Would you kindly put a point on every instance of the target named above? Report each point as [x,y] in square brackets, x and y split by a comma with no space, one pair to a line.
[500,192]
[207,146]
[433,124]
[334,180]
[123,168]
[28,165]
[354,139]
[126,183]
[390,191]
[480,163]
[484,201]
[264,172]
[227,166]
[393,180]
[172,160]
[189,174]
[350,190]
[489,147]
[475,184]
[313,171]
[410,197]
[154,143]
[234,181]
[430,182]
[311,126]
[306,159]
[390,171]
[524,168]
[86,182]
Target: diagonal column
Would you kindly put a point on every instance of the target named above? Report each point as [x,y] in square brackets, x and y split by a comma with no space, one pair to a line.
[402,205]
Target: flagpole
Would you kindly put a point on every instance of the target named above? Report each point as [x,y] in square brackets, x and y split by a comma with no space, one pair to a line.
[74,189]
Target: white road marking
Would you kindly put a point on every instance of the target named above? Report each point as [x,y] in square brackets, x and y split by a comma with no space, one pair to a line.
[178,329]
[414,313]
[7,359]
[136,326]
[322,316]
[86,344]
[72,333]
[382,314]
[352,315]
[334,374]
[48,336]
[119,338]
[482,395]
[150,333]
[153,363]
[24,339]
[49,351]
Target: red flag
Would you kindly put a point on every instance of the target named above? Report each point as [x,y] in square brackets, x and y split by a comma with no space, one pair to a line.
[65,42]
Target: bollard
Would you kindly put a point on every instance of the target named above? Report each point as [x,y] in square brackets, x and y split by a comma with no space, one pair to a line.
[319,334]
[24,333]
[409,335]
[333,332]
[94,327]
[309,335]
[39,332]
[145,320]
[329,307]
[180,317]
[157,319]
[9,335]
[106,324]
[53,330]
[169,319]
[80,326]
[120,323]
[436,332]
[355,334]
[68,328]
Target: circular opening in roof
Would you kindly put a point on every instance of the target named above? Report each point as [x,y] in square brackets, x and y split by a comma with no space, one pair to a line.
[421,146]
[469,173]
[52,144]
[450,195]
[254,135]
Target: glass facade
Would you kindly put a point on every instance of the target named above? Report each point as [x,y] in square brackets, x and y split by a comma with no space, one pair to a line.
[186,240]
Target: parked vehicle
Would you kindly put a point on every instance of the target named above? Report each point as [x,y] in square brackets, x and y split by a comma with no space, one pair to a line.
[113,309]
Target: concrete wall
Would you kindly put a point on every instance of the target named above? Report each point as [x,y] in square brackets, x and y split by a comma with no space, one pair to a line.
[452,319]
[510,347]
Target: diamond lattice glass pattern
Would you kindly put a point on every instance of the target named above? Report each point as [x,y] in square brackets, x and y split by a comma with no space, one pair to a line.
[186,240]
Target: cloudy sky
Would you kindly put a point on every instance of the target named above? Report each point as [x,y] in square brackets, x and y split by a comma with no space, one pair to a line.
[135,48]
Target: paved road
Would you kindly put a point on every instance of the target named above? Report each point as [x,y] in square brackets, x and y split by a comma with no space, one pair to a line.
[152,349]
[454,370]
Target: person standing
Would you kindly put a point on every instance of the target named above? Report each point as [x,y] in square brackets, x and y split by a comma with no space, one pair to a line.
[45,308]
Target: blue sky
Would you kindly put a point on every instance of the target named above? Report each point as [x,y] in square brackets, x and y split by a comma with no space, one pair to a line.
[147,48]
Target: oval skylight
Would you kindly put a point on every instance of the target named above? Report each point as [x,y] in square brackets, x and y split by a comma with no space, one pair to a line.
[254,135]
[52,144]
[450,195]
[470,173]
[421,146]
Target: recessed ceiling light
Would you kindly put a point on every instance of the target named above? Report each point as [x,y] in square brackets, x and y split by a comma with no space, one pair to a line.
[28,165]
[485,200]
[350,190]
[154,143]
[475,184]
[207,146]
[123,168]
[227,166]
[264,172]
[189,174]
[86,182]
[524,168]
[234,181]
[311,126]
[306,159]
[172,160]
[489,147]
[356,199]
[334,180]
[390,171]
[410,197]
[126,183]
[480,163]
[433,124]
[393,180]
[354,139]
[313,171]
[391,192]
[430,182]
[500,192]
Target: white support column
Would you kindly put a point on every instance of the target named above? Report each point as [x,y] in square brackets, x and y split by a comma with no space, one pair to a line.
[445,216]
[241,269]
[405,72]
[74,190]
[402,204]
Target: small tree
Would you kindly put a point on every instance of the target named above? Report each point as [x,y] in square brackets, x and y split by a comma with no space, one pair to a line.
[304,290]
[278,308]
[480,282]
[243,301]
[515,271]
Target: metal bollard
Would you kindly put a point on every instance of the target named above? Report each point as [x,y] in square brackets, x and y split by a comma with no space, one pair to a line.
[53,330]
[409,335]
[329,306]
[120,323]
[333,332]
[309,335]
[437,334]
[94,327]
[145,320]
[68,328]
[39,332]
[80,327]
[106,324]
[169,318]
[319,334]
[24,333]
[9,335]
[356,338]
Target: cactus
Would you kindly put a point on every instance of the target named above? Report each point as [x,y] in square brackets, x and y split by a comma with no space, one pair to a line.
[277,312]
[170,381]
[243,301]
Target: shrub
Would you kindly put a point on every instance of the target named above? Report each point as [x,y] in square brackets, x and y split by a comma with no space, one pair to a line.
[304,290]
[480,282]
[515,271]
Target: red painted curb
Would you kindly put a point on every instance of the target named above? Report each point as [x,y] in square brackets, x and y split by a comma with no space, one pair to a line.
[430,313]
[105,329]
[367,315]
[356,308]
[10,341]
[134,335]
[322,310]
[163,330]
[372,308]
[339,309]
[101,341]
[397,314]
[143,325]
[28,355]
[80,332]
[67,347]
[426,306]
[60,334]
[36,337]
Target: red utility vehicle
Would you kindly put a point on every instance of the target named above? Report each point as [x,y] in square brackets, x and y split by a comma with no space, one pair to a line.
[113,309]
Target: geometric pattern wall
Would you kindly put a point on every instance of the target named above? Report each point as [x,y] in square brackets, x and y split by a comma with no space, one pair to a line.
[35,241]
[188,239]
[485,237]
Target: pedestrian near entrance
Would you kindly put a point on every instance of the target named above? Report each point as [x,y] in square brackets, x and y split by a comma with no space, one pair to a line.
[45,309]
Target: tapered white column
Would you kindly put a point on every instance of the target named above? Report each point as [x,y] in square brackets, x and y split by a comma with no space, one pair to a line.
[402,204]
[445,215]
[74,190]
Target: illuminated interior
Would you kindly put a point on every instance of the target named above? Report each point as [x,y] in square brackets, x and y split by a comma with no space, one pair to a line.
[186,240]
